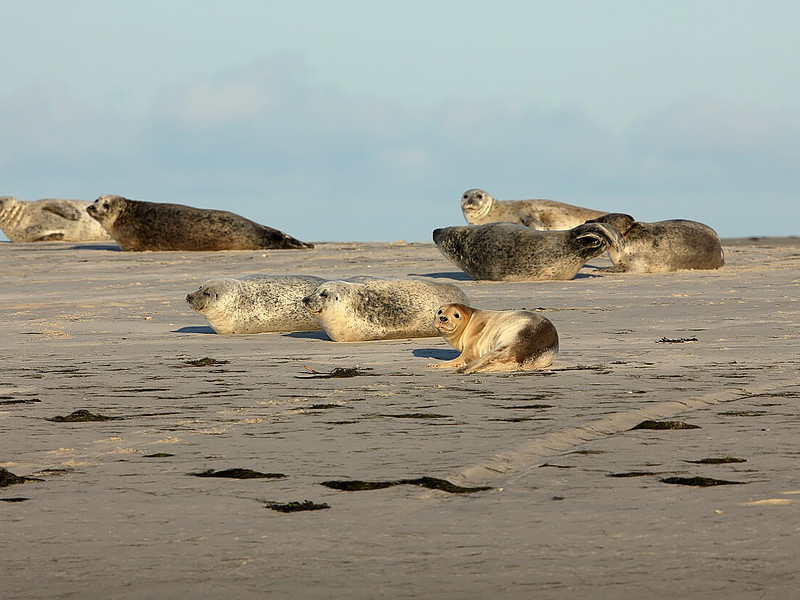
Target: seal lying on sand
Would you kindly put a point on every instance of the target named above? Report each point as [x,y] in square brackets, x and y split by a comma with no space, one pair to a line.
[256,303]
[142,226]
[491,340]
[480,207]
[513,252]
[663,246]
[379,309]
[49,220]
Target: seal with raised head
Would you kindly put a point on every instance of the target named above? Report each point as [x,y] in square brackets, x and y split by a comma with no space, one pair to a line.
[369,308]
[49,220]
[480,207]
[496,340]
[256,303]
[663,245]
[513,252]
[144,226]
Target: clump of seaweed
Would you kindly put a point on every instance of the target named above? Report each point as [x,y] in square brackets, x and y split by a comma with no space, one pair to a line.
[666,340]
[722,460]
[237,473]
[287,507]
[700,481]
[648,424]
[632,474]
[205,362]
[8,478]
[336,373]
[432,483]
[82,416]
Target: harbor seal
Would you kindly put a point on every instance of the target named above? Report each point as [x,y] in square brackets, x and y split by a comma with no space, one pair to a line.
[49,220]
[480,207]
[369,308]
[496,340]
[146,226]
[663,246]
[256,303]
[513,252]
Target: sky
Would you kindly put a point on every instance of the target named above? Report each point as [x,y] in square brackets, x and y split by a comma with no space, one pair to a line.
[358,120]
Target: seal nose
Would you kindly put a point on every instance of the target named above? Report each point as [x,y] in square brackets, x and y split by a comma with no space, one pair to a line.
[442,319]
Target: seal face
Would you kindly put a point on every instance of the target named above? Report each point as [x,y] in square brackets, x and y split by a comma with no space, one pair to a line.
[379,309]
[49,220]
[513,252]
[480,207]
[143,226]
[256,303]
[491,340]
[663,246]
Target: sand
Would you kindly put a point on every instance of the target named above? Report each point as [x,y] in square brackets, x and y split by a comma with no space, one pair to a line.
[577,505]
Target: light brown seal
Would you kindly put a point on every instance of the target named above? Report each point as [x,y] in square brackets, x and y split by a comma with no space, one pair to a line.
[513,252]
[492,340]
[368,308]
[663,246]
[143,226]
[49,220]
[256,303]
[480,207]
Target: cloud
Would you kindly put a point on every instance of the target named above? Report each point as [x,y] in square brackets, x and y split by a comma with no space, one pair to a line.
[268,142]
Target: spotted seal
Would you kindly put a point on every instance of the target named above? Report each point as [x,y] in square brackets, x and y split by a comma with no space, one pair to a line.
[663,245]
[256,303]
[492,340]
[49,220]
[146,226]
[480,207]
[513,252]
[369,308]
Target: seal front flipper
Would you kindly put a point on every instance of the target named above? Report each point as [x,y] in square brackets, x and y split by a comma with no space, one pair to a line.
[62,209]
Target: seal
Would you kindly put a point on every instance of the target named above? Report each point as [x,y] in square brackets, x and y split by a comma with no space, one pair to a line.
[496,340]
[513,252]
[480,207]
[49,220]
[663,246]
[256,303]
[368,308]
[146,226]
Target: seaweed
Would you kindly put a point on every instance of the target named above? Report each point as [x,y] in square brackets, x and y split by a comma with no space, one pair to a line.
[8,478]
[237,473]
[659,425]
[287,507]
[82,416]
[665,340]
[723,460]
[336,373]
[700,481]
[205,362]
[432,483]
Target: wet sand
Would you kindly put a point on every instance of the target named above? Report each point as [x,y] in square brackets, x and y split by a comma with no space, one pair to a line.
[579,505]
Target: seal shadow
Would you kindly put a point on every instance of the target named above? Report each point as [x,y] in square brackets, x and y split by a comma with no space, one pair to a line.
[309,335]
[194,329]
[436,353]
[111,246]
[458,276]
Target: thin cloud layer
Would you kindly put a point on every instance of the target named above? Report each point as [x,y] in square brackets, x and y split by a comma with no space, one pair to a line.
[266,142]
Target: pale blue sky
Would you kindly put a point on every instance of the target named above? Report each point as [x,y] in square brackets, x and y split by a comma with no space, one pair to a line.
[366,120]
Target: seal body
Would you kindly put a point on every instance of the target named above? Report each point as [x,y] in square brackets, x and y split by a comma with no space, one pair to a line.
[663,246]
[491,340]
[480,207]
[379,309]
[513,252]
[256,303]
[142,226]
[49,220]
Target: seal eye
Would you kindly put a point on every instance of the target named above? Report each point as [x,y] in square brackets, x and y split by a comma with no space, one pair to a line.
[465,196]
[480,196]
[438,313]
[323,294]
[456,316]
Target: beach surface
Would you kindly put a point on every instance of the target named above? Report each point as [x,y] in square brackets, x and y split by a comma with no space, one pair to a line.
[555,493]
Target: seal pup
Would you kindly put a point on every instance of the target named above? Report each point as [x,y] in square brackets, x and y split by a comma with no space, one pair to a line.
[145,226]
[49,220]
[480,207]
[513,252]
[368,308]
[496,340]
[256,303]
[663,245]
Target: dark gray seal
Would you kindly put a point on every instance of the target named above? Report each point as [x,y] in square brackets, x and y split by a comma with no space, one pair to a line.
[256,303]
[513,252]
[49,220]
[142,226]
[663,245]
[480,207]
